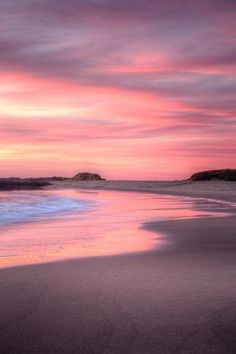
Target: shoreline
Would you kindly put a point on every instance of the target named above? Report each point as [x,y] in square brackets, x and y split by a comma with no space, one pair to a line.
[142,241]
[215,190]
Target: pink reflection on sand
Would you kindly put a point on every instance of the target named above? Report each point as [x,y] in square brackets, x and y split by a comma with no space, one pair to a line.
[112,226]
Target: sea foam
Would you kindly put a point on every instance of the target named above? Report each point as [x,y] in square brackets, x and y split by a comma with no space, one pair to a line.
[27,206]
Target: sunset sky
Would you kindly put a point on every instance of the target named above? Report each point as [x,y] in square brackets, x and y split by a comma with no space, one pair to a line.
[131,89]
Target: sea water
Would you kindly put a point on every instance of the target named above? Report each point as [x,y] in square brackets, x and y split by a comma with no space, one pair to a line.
[25,206]
[42,226]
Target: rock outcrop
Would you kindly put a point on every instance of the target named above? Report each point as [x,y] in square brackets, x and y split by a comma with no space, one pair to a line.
[225,175]
[7,184]
[58,178]
[88,176]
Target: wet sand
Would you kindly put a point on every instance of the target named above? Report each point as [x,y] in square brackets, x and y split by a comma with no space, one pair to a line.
[100,223]
[180,299]
[172,300]
[215,189]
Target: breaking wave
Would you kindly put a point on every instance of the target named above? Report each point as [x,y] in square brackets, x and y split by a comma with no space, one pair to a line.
[16,207]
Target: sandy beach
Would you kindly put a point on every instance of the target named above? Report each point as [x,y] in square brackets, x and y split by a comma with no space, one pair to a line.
[215,189]
[118,177]
[176,299]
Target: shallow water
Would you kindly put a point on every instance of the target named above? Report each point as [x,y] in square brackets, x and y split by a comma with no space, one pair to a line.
[42,226]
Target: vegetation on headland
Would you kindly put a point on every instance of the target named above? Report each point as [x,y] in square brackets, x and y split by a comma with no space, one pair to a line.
[225,175]
[88,176]
[18,183]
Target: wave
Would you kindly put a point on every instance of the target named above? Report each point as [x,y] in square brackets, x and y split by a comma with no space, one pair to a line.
[16,207]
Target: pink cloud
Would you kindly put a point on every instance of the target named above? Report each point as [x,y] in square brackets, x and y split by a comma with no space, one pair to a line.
[144,90]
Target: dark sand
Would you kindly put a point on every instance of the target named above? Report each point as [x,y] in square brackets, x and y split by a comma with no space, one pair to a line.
[181,299]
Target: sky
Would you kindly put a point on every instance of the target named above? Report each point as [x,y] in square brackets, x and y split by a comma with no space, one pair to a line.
[130,89]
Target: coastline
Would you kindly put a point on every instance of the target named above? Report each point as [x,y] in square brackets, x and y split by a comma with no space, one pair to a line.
[217,190]
[177,299]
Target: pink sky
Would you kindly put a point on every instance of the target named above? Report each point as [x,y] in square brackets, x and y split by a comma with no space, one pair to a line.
[128,89]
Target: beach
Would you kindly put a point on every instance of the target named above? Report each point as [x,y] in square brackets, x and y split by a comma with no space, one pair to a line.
[214,189]
[174,299]
[118,177]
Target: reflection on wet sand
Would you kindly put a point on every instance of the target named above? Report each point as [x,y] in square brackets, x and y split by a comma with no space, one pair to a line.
[111,226]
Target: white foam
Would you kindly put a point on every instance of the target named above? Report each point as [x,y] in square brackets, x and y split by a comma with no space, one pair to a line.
[24,206]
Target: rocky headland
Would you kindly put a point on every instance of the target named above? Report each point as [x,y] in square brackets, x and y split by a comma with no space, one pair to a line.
[88,176]
[20,183]
[225,175]
[17,183]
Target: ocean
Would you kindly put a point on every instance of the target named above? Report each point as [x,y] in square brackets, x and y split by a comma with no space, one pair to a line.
[43,226]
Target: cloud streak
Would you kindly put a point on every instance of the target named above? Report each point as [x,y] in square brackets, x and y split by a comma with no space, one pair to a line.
[156,77]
